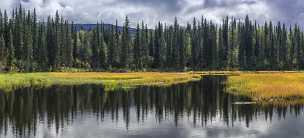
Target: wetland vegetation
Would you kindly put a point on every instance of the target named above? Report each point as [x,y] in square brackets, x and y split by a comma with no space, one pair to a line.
[269,87]
[12,81]
[263,87]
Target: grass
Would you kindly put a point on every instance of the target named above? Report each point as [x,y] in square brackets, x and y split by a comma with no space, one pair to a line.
[269,87]
[264,87]
[13,81]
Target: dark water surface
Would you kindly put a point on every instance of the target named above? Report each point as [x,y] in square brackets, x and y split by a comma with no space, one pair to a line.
[194,110]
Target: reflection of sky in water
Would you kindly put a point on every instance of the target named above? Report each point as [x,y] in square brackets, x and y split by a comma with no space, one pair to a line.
[217,128]
[88,126]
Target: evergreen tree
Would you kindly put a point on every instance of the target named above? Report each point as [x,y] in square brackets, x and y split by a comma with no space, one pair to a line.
[175,44]
[57,42]
[76,45]
[34,32]
[69,46]
[28,49]
[1,22]
[42,50]
[125,46]
[29,45]
[2,51]
[224,43]
[137,49]
[195,45]
[157,46]
[144,45]
[103,53]
[116,47]
[95,49]
[11,53]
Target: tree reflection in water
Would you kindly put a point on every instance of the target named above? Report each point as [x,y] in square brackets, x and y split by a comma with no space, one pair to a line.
[200,102]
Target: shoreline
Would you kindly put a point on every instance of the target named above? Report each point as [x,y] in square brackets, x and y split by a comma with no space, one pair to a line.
[111,81]
[261,86]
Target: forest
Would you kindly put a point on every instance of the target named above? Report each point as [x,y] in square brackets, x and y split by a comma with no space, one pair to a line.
[29,45]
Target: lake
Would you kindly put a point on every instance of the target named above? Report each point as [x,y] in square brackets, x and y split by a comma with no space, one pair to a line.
[193,110]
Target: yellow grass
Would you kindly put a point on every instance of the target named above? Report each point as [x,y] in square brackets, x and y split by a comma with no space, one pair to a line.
[268,87]
[12,81]
[260,86]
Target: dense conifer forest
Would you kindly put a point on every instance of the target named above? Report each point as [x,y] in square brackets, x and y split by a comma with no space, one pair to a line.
[28,45]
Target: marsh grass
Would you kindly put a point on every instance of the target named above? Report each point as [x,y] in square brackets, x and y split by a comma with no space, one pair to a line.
[110,81]
[269,87]
[264,87]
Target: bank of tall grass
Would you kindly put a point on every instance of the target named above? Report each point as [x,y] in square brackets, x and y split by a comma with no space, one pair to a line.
[12,81]
[276,87]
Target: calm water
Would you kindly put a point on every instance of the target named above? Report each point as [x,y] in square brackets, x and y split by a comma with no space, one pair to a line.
[193,110]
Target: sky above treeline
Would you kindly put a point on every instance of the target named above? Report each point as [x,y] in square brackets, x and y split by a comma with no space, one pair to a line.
[152,11]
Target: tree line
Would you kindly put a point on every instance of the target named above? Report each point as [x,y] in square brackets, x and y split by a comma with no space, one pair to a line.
[27,44]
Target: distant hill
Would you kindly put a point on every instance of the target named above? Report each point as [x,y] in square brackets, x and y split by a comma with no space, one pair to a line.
[89,27]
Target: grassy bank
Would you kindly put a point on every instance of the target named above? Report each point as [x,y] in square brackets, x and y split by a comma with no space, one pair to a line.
[269,87]
[12,81]
[275,87]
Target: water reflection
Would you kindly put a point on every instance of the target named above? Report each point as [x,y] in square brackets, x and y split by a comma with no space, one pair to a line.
[198,109]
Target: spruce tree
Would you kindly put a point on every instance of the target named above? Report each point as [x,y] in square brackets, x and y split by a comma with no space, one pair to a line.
[69,46]
[11,52]
[2,51]
[42,50]
[28,49]
[125,45]
[1,22]
[117,47]
[224,43]
[103,53]
[95,49]
[137,49]
[76,45]
[111,48]
[195,45]
[144,45]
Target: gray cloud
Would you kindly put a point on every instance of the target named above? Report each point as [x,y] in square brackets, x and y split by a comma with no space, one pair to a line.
[4,4]
[170,6]
[226,3]
[287,11]
[152,11]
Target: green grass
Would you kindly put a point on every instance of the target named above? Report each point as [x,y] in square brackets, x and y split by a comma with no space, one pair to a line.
[111,81]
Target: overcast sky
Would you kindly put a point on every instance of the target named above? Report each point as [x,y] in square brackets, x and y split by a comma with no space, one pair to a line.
[152,11]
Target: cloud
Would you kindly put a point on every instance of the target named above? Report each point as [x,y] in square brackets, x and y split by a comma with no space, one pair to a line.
[287,11]
[5,4]
[216,10]
[152,11]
